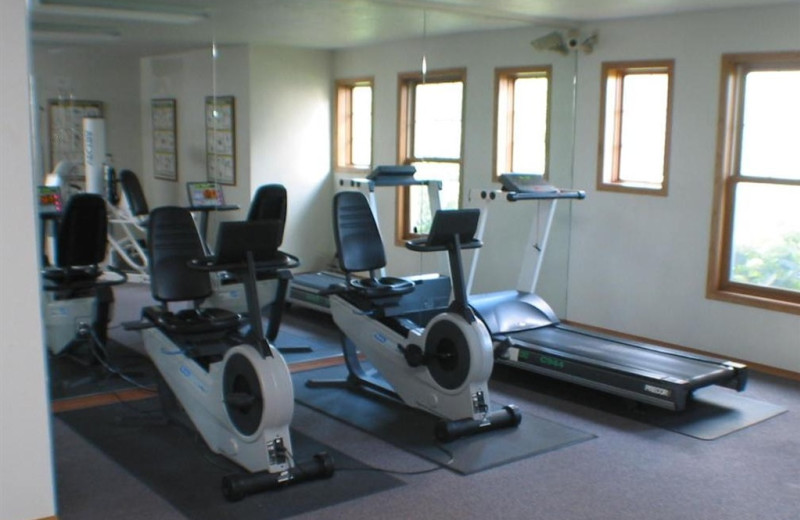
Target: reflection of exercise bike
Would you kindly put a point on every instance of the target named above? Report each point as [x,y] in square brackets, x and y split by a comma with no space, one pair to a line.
[236,389]
[441,368]
[78,298]
[228,291]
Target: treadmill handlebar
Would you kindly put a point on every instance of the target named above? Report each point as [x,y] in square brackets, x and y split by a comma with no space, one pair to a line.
[514,196]
[390,181]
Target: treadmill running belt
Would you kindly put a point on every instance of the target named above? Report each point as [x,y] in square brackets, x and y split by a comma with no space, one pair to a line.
[625,357]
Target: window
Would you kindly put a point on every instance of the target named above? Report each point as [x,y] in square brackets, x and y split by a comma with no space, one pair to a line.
[635,119]
[353,147]
[755,253]
[522,97]
[430,134]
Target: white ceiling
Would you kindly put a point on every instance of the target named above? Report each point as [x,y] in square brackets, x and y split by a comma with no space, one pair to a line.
[331,24]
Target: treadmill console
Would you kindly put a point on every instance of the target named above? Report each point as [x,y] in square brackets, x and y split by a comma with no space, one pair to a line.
[384,171]
[205,194]
[49,200]
[526,183]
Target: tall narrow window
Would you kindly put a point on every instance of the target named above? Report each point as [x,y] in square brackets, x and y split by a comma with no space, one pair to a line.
[635,123]
[755,253]
[353,145]
[521,127]
[430,134]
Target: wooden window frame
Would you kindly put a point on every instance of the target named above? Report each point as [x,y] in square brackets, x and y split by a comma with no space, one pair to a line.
[734,68]
[405,138]
[619,70]
[504,82]
[343,124]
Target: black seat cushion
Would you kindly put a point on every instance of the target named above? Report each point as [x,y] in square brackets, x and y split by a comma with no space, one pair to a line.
[193,321]
[380,287]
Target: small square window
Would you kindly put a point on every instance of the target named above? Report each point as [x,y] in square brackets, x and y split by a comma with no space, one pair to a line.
[635,118]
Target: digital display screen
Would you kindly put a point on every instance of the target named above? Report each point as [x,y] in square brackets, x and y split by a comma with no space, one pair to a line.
[205,194]
[49,199]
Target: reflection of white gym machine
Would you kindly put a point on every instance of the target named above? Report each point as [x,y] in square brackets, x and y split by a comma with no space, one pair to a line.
[236,390]
[77,299]
[128,225]
[441,368]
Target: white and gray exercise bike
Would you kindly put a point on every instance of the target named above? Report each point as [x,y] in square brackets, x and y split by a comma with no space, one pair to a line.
[235,387]
[441,367]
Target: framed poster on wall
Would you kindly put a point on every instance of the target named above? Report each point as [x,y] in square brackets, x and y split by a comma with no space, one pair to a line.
[221,139]
[165,139]
[66,128]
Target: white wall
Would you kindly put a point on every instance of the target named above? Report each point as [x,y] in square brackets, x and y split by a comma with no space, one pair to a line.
[26,481]
[189,78]
[99,75]
[290,143]
[480,54]
[638,263]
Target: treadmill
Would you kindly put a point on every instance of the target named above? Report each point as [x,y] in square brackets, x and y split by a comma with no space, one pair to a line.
[528,335]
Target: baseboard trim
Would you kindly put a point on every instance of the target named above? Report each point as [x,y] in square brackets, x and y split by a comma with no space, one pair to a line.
[758,367]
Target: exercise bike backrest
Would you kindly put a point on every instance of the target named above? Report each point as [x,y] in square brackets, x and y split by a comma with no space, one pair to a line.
[134,195]
[359,246]
[81,239]
[174,242]
[269,203]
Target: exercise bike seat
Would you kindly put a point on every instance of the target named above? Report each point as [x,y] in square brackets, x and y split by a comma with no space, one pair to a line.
[193,321]
[380,287]
[359,247]
[175,243]
[80,246]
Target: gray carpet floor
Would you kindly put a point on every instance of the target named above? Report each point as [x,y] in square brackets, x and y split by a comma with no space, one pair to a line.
[632,470]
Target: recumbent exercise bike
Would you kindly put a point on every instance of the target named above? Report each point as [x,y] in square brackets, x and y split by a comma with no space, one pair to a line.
[236,389]
[442,367]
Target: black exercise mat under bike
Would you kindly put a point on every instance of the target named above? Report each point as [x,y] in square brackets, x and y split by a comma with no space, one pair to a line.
[175,463]
[711,413]
[413,430]
[79,373]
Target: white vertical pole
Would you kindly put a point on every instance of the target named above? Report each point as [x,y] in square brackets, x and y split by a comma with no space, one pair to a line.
[483,205]
[535,247]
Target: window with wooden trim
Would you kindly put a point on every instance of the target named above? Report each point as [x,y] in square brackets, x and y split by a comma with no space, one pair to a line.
[430,136]
[755,250]
[635,125]
[353,146]
[521,120]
